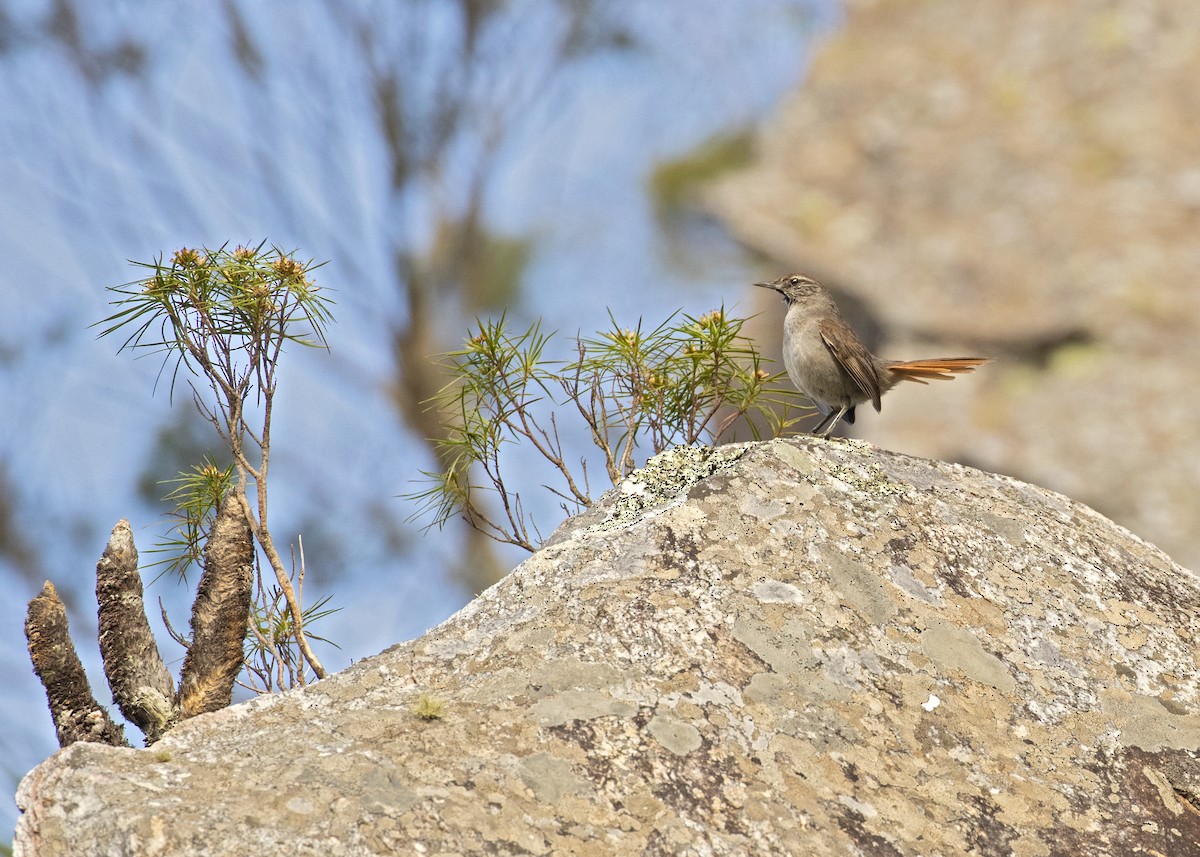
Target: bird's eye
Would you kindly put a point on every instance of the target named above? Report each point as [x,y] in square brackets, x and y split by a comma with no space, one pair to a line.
[795,281]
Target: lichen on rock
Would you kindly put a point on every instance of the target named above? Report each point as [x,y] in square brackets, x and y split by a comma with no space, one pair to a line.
[666,477]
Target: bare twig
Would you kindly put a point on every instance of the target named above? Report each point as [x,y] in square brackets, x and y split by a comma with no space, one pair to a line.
[175,635]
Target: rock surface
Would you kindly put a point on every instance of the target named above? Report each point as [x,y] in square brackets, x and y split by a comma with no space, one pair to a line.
[818,648]
[1018,179]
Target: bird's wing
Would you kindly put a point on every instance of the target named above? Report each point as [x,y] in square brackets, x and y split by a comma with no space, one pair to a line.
[853,357]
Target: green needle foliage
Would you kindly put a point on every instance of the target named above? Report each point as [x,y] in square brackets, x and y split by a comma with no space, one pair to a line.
[196,497]
[222,318]
[690,380]
[223,314]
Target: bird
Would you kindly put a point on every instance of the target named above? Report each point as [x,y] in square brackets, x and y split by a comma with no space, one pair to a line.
[829,364]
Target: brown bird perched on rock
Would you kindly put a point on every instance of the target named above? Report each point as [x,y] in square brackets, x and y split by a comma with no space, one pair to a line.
[829,364]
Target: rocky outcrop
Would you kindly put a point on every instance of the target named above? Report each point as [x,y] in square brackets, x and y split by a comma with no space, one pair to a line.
[804,647]
[1013,178]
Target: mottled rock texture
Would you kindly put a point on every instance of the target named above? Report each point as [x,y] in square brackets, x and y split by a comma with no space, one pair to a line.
[817,648]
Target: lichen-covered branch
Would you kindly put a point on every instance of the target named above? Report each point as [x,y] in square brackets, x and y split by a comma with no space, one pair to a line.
[141,686]
[219,614]
[76,713]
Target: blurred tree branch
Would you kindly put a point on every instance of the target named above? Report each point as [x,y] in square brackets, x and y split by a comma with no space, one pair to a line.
[444,109]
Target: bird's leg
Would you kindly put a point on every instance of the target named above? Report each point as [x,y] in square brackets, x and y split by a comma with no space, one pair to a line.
[831,419]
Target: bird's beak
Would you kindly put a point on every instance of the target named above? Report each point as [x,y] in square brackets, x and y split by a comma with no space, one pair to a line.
[771,286]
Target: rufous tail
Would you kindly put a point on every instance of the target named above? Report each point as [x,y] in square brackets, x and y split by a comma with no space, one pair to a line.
[937,369]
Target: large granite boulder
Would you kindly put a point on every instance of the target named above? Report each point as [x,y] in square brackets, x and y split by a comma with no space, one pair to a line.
[796,647]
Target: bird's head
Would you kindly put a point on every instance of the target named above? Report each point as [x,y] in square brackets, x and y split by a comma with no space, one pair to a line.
[794,287]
